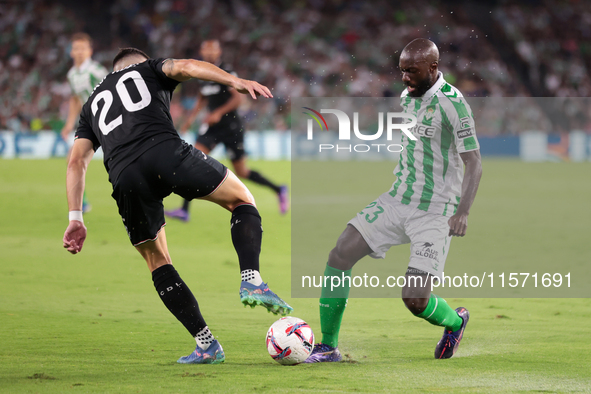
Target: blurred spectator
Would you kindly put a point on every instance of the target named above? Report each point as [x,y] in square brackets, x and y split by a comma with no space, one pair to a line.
[552,37]
[309,48]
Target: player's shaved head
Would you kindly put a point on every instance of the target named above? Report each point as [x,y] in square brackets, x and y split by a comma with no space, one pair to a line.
[419,65]
[421,50]
[127,56]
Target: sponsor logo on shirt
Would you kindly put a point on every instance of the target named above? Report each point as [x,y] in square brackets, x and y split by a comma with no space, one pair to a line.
[428,251]
[465,122]
[424,131]
[465,133]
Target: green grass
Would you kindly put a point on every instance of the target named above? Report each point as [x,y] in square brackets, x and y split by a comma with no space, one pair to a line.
[93,322]
[527,218]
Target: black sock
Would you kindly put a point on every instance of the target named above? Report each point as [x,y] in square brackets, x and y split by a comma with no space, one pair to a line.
[186,205]
[261,180]
[178,298]
[247,235]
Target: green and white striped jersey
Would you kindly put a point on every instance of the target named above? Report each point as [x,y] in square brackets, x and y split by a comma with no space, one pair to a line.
[430,170]
[83,79]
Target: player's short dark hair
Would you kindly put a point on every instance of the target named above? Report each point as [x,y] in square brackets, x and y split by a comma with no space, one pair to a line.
[82,37]
[125,52]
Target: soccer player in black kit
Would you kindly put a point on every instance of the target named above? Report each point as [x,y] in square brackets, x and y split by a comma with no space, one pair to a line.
[222,125]
[128,115]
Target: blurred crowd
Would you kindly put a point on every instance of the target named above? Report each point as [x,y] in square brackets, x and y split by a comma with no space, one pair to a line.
[554,39]
[317,48]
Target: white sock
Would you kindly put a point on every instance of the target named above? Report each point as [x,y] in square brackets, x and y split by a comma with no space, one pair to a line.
[252,276]
[204,338]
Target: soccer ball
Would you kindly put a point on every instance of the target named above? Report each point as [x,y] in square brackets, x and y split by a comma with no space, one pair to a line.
[290,340]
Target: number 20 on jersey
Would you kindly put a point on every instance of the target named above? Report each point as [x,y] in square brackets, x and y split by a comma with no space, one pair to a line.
[125,97]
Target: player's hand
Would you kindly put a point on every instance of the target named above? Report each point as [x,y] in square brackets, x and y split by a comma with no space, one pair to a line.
[213,118]
[458,224]
[65,133]
[254,88]
[74,236]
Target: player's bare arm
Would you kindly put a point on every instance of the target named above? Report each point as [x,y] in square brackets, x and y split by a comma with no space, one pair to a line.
[185,69]
[80,157]
[201,103]
[73,111]
[232,104]
[458,223]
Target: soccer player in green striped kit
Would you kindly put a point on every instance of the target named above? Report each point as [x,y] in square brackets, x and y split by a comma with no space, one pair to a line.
[84,75]
[422,208]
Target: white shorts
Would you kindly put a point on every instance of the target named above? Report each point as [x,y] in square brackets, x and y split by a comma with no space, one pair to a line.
[386,222]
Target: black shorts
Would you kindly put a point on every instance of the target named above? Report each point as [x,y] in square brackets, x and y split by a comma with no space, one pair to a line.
[172,166]
[229,133]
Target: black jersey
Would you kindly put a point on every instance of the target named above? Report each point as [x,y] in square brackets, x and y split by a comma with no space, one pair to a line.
[218,94]
[129,113]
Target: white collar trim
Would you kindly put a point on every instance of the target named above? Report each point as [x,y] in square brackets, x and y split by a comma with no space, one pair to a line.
[438,84]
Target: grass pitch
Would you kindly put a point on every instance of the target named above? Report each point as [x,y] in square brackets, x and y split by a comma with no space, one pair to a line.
[93,322]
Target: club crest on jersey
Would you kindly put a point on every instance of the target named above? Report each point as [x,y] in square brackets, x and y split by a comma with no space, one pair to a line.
[429,114]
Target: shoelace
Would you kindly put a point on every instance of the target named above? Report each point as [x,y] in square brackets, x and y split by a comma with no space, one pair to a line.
[450,338]
[321,347]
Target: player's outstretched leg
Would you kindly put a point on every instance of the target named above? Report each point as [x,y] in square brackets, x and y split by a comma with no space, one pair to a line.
[247,235]
[283,197]
[86,207]
[450,341]
[350,248]
[332,304]
[282,191]
[418,299]
[181,213]
[179,300]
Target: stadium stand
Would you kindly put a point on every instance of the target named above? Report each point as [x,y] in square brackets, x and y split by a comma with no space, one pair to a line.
[310,48]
